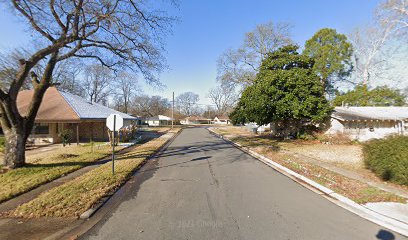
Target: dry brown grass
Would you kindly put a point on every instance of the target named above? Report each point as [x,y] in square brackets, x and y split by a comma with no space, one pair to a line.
[76,196]
[357,191]
[45,168]
[290,154]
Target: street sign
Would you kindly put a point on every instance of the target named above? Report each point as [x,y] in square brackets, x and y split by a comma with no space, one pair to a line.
[112,125]
[114,122]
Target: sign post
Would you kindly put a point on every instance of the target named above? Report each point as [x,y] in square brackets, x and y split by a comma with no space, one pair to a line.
[114,122]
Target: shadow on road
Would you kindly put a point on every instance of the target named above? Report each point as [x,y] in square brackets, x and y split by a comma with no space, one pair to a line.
[199,147]
[200,158]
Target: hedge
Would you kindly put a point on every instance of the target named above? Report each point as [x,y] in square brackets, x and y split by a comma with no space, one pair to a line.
[388,158]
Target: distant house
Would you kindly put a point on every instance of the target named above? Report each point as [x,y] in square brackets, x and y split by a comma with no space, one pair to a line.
[365,123]
[221,120]
[159,120]
[60,110]
[195,120]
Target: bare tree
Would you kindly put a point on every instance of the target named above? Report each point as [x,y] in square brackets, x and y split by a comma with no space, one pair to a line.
[9,68]
[372,50]
[210,112]
[235,67]
[68,77]
[370,60]
[117,34]
[395,12]
[146,106]
[126,88]
[266,38]
[241,65]
[187,103]
[97,83]
[65,75]
[224,97]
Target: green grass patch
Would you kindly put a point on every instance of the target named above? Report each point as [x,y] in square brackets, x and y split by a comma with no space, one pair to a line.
[47,168]
[2,143]
[388,158]
[76,196]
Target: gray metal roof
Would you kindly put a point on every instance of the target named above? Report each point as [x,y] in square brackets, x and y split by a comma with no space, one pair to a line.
[91,110]
[370,113]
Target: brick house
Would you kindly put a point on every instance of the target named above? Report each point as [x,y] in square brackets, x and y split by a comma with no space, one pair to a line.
[60,110]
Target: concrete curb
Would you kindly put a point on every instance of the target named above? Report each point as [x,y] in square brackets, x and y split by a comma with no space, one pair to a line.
[338,199]
[91,211]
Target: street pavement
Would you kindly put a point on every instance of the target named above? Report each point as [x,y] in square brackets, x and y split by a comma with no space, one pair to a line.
[201,187]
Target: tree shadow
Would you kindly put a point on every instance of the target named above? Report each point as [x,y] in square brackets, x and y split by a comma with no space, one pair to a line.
[63,164]
[199,147]
[200,158]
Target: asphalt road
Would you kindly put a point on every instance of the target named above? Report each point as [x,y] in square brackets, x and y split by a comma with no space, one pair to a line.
[203,188]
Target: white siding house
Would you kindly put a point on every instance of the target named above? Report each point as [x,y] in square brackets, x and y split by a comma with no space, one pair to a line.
[193,120]
[221,120]
[159,120]
[365,123]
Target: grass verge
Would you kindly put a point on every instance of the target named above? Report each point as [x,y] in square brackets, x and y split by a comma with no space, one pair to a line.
[76,196]
[358,191]
[48,167]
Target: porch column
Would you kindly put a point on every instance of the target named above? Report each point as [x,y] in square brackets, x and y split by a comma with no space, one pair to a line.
[77,133]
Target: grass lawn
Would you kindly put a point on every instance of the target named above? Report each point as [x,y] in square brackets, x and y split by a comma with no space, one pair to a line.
[76,196]
[48,166]
[293,155]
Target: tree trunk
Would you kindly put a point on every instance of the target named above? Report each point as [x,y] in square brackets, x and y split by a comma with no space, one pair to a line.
[14,154]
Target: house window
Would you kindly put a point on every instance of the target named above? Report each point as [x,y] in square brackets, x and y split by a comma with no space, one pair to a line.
[41,128]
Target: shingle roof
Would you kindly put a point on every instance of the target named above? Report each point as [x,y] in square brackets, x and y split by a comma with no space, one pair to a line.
[61,106]
[370,113]
[91,110]
[53,108]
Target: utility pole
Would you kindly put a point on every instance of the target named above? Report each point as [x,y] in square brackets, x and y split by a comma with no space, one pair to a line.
[172,113]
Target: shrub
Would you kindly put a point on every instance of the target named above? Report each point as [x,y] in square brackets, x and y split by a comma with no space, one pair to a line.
[388,158]
[65,136]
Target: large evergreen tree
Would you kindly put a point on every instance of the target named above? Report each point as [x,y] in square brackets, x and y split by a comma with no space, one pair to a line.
[286,91]
[332,54]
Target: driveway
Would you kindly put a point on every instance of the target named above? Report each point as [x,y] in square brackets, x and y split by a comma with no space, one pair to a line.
[201,187]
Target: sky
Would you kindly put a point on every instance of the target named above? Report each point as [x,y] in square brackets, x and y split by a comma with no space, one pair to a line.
[209,27]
